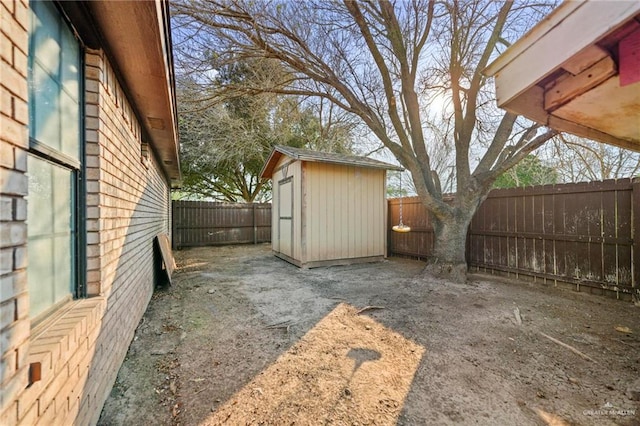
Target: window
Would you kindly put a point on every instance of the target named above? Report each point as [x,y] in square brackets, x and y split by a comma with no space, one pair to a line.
[54,162]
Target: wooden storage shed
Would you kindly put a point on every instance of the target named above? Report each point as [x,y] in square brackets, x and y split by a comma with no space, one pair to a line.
[578,71]
[327,209]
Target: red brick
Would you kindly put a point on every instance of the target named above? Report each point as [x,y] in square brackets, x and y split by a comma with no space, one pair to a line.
[16,335]
[12,284]
[91,98]
[13,81]
[29,416]
[19,258]
[93,73]
[9,5]
[54,390]
[6,209]
[22,306]
[93,288]
[20,111]
[94,58]
[14,31]
[10,415]
[29,398]
[21,14]
[6,155]
[8,364]
[6,261]
[13,182]
[6,102]
[63,341]
[92,86]
[46,415]
[51,347]
[6,49]
[20,209]
[12,388]
[7,313]
[13,132]
[13,234]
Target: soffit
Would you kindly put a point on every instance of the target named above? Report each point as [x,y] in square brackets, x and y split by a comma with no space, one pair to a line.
[574,72]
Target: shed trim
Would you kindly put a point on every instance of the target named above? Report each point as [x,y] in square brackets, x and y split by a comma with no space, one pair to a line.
[321,157]
[329,262]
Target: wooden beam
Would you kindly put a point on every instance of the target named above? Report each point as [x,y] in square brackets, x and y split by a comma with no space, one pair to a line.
[589,133]
[568,88]
[584,59]
[529,104]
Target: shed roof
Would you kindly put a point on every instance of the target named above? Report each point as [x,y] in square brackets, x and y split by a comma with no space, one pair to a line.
[321,157]
[577,71]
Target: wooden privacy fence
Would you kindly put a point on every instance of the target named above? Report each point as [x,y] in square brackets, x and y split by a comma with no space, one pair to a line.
[202,223]
[581,234]
[419,242]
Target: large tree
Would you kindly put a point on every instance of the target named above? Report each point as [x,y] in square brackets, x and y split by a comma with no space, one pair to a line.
[410,70]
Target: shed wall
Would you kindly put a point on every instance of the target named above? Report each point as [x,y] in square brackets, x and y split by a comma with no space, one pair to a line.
[344,212]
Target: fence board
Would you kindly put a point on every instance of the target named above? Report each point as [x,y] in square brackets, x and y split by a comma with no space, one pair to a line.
[201,223]
[417,243]
[577,233]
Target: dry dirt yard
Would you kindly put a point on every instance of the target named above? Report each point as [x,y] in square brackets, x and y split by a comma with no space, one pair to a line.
[243,338]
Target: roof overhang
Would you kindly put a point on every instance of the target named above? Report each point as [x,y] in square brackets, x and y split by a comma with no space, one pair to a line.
[136,36]
[577,71]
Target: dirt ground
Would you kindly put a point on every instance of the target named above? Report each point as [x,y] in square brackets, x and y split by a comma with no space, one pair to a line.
[243,338]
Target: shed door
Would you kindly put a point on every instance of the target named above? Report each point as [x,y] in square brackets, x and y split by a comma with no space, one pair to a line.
[285,209]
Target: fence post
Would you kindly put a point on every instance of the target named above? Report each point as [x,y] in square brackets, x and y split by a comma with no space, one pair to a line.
[635,233]
[174,234]
[255,225]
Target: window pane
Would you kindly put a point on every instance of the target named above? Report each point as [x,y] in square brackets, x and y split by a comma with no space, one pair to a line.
[69,114]
[40,275]
[46,34]
[61,205]
[70,64]
[45,96]
[51,234]
[54,74]
[62,268]
[39,201]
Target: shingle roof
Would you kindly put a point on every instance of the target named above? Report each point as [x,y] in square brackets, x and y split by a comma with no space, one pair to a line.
[321,157]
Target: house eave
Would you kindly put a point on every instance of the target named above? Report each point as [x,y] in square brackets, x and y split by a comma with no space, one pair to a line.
[136,35]
[565,73]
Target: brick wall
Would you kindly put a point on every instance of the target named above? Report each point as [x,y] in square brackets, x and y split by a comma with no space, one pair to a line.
[81,347]
[14,314]
[128,205]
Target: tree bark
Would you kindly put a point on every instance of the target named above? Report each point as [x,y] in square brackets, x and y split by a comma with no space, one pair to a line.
[449,254]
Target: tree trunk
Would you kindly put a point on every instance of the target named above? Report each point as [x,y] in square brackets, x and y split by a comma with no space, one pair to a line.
[449,254]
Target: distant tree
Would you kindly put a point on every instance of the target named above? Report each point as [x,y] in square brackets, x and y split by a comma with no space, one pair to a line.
[226,137]
[530,171]
[577,160]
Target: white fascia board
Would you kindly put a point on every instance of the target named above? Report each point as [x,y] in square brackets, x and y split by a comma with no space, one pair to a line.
[571,28]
